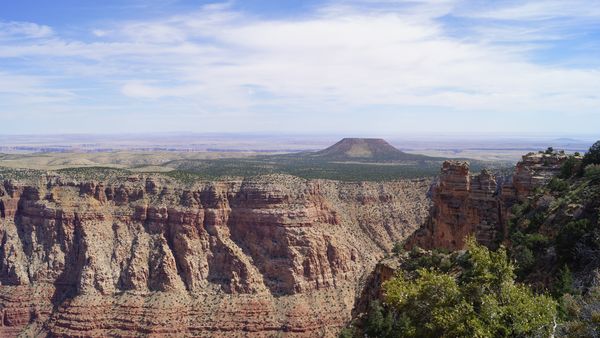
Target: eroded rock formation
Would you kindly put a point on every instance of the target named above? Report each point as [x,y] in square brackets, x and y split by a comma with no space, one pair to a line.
[535,170]
[479,205]
[144,255]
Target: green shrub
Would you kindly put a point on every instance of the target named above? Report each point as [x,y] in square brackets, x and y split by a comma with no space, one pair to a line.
[519,210]
[536,241]
[580,314]
[379,323]
[593,155]
[536,220]
[592,172]
[558,185]
[347,332]
[397,248]
[483,302]
[524,258]
[564,282]
[570,167]
[569,236]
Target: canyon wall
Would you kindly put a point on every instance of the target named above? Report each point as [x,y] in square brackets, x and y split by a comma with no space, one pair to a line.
[479,205]
[143,255]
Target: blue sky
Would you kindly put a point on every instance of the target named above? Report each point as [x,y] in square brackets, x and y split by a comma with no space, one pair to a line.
[362,67]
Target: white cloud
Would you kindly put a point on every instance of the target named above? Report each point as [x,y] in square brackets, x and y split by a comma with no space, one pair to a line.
[99,32]
[153,32]
[340,58]
[16,29]
[30,86]
[136,89]
[537,10]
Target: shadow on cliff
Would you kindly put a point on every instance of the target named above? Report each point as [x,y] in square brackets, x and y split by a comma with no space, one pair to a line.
[66,282]
[370,289]
[2,212]
[267,245]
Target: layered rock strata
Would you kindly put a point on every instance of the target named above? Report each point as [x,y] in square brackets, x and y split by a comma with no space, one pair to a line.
[479,205]
[147,256]
[535,170]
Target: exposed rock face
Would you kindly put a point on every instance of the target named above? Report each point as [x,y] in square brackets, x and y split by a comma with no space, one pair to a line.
[535,170]
[268,256]
[465,204]
[462,205]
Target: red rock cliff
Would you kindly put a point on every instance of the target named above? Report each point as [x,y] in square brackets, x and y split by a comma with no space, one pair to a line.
[479,205]
[268,256]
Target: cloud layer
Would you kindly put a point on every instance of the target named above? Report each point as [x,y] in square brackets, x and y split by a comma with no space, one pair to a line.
[407,63]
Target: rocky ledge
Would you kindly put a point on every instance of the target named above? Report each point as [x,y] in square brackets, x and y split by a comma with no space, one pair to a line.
[143,255]
[479,205]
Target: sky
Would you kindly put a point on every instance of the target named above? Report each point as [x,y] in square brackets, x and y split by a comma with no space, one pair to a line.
[361,67]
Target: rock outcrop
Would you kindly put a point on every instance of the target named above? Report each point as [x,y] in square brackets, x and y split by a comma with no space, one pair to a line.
[462,205]
[479,205]
[145,255]
[535,170]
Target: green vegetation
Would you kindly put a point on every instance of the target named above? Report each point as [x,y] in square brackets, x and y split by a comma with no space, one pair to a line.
[397,248]
[593,155]
[564,282]
[555,242]
[482,301]
[308,168]
[94,173]
[546,281]
[379,321]
[339,162]
[570,167]
[563,217]
[462,294]
[185,177]
[438,259]
[581,314]
[19,174]
[592,172]
[315,168]
[347,332]
[556,184]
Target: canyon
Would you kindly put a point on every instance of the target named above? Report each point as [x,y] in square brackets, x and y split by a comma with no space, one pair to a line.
[147,255]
